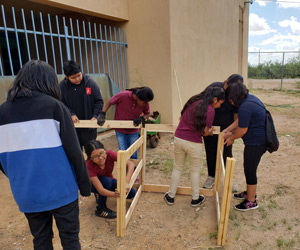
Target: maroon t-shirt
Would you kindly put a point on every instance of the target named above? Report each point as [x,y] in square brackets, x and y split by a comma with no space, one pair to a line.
[186,128]
[127,109]
[95,170]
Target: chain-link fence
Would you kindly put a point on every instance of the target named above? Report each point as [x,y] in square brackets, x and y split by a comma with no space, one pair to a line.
[281,68]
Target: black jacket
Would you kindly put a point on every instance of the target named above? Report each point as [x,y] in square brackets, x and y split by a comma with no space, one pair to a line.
[93,103]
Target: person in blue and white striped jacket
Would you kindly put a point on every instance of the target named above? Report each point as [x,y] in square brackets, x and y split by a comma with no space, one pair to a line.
[41,156]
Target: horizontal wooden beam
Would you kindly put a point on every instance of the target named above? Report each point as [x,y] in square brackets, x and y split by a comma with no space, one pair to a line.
[107,124]
[135,173]
[180,190]
[132,205]
[170,128]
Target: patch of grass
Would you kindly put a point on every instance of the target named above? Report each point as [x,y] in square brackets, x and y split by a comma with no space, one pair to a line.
[167,166]
[272,204]
[285,243]
[238,235]
[284,221]
[213,235]
[281,190]
[298,85]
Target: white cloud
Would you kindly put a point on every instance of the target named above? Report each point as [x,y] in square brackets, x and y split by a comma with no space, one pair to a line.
[259,26]
[288,4]
[262,3]
[292,23]
[283,42]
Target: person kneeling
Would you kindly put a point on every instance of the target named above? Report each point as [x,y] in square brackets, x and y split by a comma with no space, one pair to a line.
[100,164]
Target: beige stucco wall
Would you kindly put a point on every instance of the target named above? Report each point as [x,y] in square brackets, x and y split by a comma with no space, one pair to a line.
[199,41]
[196,40]
[113,10]
[149,51]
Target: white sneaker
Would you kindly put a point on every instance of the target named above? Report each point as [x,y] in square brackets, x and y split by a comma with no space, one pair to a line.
[209,183]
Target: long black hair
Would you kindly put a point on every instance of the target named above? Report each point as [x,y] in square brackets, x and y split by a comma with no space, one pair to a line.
[91,146]
[237,92]
[206,98]
[34,76]
[143,93]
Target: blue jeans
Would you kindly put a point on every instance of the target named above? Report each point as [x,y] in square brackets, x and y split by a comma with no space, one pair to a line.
[111,185]
[126,140]
[67,222]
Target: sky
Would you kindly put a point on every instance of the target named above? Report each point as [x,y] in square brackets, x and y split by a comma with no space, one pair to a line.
[274,25]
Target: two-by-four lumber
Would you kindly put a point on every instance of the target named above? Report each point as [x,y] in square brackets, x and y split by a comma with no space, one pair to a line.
[226,199]
[180,190]
[232,168]
[136,173]
[220,147]
[170,128]
[107,124]
[132,205]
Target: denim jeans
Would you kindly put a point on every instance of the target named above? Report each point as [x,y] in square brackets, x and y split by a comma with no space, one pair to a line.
[126,140]
[67,222]
[111,185]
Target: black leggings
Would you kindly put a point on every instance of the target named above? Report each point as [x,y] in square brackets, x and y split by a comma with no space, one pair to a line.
[211,145]
[252,156]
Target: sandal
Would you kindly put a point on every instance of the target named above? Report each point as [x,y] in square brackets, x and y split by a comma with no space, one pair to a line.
[106,213]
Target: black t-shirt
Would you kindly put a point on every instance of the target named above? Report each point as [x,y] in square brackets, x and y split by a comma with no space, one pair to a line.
[225,114]
[76,99]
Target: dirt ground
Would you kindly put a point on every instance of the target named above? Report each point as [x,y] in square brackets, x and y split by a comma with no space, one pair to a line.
[154,225]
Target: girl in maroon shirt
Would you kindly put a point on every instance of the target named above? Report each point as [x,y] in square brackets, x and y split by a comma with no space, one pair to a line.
[196,121]
[100,164]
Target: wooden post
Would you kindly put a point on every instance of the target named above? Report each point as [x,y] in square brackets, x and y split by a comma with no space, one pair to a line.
[121,186]
[226,199]
[229,194]
[143,149]
[220,147]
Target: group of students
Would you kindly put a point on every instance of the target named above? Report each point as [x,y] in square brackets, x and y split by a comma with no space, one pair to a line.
[229,105]
[40,137]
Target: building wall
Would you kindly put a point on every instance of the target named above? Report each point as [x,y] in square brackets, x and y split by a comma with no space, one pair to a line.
[176,47]
[116,10]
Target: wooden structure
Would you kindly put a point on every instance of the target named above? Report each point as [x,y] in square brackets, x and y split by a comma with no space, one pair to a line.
[223,178]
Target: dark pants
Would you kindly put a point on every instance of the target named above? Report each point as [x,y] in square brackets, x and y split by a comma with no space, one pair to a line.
[67,222]
[111,185]
[211,145]
[252,156]
[86,135]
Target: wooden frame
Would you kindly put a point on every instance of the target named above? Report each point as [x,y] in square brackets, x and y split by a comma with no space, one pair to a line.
[223,175]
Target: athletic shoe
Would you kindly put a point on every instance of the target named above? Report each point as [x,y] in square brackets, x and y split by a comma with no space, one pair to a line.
[169,200]
[246,205]
[195,203]
[105,213]
[241,196]
[209,183]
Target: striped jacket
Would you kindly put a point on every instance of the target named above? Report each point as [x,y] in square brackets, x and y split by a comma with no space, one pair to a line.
[40,153]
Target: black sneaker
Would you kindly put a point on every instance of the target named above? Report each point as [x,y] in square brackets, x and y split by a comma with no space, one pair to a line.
[241,196]
[105,213]
[195,203]
[169,200]
[246,205]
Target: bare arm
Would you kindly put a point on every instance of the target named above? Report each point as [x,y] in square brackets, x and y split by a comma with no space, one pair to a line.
[106,106]
[239,132]
[101,190]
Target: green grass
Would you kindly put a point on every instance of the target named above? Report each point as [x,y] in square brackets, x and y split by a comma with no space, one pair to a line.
[298,85]
[285,243]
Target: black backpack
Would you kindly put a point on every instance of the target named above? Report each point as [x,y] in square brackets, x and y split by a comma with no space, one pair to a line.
[272,142]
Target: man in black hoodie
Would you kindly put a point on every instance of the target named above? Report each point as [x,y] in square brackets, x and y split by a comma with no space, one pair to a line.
[83,98]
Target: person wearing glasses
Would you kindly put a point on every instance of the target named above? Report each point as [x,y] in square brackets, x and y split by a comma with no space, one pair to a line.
[100,164]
